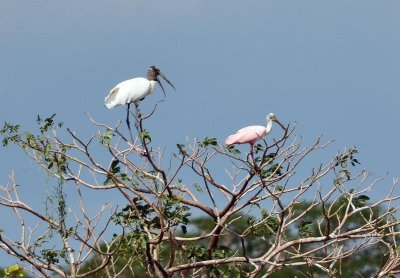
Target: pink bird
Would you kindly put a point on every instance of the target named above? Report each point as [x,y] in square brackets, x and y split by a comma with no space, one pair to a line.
[251,134]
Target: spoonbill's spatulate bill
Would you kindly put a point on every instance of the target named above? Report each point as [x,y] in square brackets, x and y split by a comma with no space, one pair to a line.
[135,90]
[251,134]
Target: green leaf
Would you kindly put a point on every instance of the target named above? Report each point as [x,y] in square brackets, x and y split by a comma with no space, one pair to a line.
[272,223]
[259,148]
[51,256]
[346,172]
[232,150]
[15,270]
[182,149]
[198,188]
[208,142]
[105,139]
[344,158]
[305,228]
[305,224]
[11,133]
[46,124]
[363,197]
[114,167]
[272,171]
[47,149]
[145,136]
[338,181]
[251,221]
[360,201]
[31,140]
[264,213]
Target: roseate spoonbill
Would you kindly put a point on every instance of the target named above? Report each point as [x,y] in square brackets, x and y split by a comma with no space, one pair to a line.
[251,134]
[135,90]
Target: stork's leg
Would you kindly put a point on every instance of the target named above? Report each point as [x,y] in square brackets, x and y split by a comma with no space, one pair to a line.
[128,122]
[137,116]
[127,116]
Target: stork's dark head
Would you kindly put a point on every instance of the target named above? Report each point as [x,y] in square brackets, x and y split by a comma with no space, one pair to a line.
[153,73]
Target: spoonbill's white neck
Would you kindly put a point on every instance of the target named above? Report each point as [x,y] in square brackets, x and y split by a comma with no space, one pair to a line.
[269,125]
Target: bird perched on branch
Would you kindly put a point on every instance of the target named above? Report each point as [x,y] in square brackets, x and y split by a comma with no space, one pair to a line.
[135,90]
[251,134]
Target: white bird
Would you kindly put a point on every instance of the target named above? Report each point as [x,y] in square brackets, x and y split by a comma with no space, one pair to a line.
[135,90]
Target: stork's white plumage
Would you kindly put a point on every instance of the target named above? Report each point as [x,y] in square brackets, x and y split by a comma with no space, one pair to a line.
[135,90]
[128,91]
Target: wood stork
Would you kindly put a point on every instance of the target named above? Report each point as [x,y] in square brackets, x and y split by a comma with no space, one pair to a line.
[251,134]
[135,90]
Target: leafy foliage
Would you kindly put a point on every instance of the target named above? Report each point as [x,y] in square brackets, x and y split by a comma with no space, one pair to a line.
[14,271]
[52,157]
[105,138]
[145,136]
[208,142]
[10,133]
[305,229]
[232,150]
[115,172]
[360,201]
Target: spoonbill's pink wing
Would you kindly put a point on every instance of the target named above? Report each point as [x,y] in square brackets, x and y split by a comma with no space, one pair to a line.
[246,135]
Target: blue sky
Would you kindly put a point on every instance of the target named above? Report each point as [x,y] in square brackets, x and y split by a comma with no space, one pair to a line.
[331,66]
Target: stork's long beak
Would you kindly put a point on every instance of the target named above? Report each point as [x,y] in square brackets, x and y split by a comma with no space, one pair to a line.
[166,79]
[162,87]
